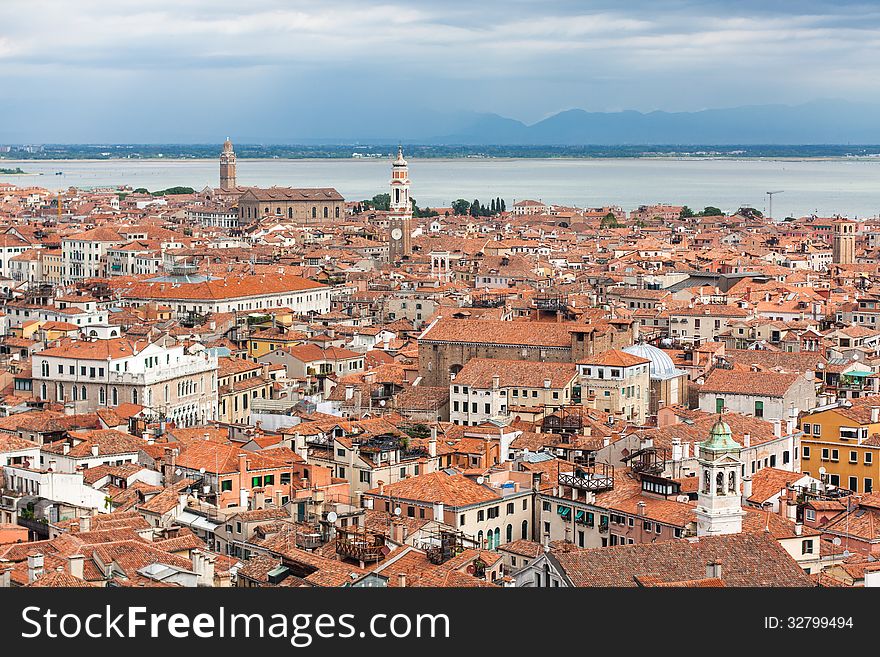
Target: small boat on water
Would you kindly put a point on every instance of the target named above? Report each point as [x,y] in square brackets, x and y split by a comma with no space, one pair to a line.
[59,173]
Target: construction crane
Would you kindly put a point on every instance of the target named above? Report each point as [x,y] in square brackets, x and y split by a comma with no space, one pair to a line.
[770,205]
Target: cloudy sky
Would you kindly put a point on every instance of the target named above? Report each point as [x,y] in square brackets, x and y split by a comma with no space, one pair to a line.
[282,70]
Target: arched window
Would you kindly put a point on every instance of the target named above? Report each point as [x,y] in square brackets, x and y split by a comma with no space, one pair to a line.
[731,486]
[490,540]
[44,368]
[75,394]
[337,212]
[509,533]
[707,486]
[290,213]
[60,390]
[102,396]
[525,530]
[314,212]
[43,391]
[480,539]
[497,537]
[114,397]
[326,212]
[83,395]
[167,394]
[719,483]
[134,396]
[396,195]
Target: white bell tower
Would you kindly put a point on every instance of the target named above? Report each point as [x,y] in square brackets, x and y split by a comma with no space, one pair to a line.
[400,184]
[400,216]
[719,504]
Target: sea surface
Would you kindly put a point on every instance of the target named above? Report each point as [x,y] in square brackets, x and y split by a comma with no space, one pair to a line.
[845,186]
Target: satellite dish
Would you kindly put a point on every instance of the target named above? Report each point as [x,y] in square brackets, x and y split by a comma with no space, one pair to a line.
[847,554]
[201,471]
[381,402]
[397,511]
[480,480]
[178,472]
[822,470]
[332,516]
[836,540]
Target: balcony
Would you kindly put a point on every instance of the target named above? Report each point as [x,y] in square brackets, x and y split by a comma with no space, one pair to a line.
[594,478]
[361,545]
[309,541]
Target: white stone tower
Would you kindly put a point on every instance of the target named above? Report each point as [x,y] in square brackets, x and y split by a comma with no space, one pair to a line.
[719,505]
[400,217]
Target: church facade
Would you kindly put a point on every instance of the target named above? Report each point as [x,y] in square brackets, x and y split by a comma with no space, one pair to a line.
[316,205]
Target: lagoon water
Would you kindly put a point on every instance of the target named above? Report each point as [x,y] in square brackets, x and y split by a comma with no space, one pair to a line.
[845,186]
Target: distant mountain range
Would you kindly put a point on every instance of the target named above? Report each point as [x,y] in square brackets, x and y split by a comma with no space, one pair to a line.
[819,122]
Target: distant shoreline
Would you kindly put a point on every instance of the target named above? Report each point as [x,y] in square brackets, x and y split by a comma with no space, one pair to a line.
[678,158]
[382,152]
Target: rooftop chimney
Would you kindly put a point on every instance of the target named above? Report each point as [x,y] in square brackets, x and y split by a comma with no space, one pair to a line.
[75,565]
[439,508]
[747,440]
[432,443]
[676,449]
[546,383]
[777,428]
[875,414]
[401,580]
[713,569]
[35,567]
[747,488]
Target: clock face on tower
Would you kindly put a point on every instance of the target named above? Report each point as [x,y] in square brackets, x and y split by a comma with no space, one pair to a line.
[396,234]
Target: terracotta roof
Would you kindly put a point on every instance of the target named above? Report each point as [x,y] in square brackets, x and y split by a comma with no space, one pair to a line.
[614,358]
[746,560]
[771,384]
[479,373]
[454,490]
[768,482]
[536,334]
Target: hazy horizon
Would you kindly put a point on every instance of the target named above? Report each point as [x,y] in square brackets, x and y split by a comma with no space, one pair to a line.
[192,71]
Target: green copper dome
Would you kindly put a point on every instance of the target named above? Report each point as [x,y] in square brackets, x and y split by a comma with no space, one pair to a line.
[720,439]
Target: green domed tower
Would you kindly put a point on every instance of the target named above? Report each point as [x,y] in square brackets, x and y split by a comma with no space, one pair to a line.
[719,504]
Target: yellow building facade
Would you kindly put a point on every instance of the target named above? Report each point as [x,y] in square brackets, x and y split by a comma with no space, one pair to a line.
[845,441]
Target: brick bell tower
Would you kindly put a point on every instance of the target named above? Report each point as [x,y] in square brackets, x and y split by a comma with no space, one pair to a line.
[227,166]
[400,217]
